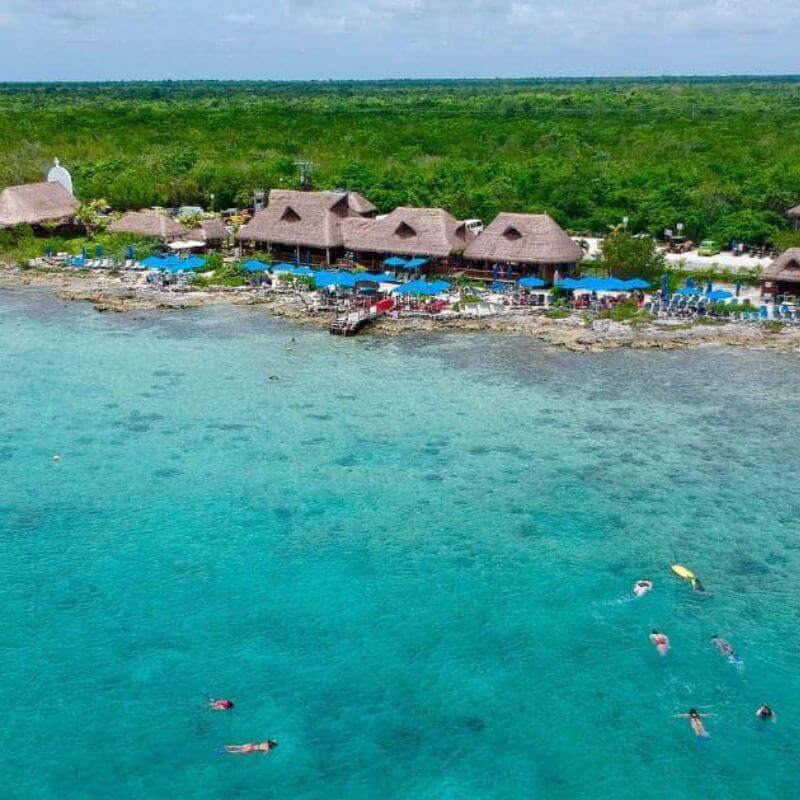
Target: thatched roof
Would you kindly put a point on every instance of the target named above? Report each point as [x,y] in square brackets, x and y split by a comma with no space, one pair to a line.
[34,203]
[793,213]
[360,205]
[148,223]
[409,232]
[524,239]
[785,268]
[308,219]
[209,230]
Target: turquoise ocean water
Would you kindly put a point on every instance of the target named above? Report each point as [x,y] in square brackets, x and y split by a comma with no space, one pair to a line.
[406,560]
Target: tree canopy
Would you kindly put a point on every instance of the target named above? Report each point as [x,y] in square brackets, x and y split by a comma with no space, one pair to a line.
[721,156]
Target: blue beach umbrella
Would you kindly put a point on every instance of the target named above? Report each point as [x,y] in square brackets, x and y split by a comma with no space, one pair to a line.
[153,262]
[719,294]
[416,263]
[324,278]
[377,277]
[590,284]
[531,282]
[395,262]
[422,287]
[567,283]
[636,283]
[255,266]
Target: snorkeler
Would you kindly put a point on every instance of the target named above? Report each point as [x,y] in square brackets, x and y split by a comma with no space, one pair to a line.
[725,648]
[642,587]
[661,642]
[695,720]
[765,713]
[248,749]
[220,705]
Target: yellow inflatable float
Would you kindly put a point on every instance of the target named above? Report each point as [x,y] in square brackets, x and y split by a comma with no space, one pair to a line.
[686,574]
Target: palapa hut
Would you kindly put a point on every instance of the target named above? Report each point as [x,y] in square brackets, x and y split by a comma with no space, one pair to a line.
[211,231]
[794,215]
[305,227]
[532,244]
[148,223]
[430,233]
[36,204]
[782,277]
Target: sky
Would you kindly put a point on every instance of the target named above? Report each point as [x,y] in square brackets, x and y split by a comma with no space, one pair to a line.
[364,39]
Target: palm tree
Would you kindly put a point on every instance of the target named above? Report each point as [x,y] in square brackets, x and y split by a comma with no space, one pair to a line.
[92,215]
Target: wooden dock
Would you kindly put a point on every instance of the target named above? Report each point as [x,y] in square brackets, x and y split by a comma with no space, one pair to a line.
[350,324]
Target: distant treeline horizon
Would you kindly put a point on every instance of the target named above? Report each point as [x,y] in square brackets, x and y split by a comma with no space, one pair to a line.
[720,154]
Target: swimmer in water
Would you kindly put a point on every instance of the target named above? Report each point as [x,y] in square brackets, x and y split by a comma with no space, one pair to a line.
[695,720]
[220,705]
[249,749]
[765,713]
[642,587]
[661,642]
[56,457]
[725,648]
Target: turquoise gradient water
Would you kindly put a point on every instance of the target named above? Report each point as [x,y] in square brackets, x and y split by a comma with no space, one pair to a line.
[407,560]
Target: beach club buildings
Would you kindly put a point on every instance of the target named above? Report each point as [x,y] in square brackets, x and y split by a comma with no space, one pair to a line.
[45,206]
[319,227]
[37,204]
[522,245]
[305,227]
[429,235]
[148,223]
[781,278]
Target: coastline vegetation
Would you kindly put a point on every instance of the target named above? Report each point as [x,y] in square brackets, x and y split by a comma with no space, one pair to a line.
[720,155]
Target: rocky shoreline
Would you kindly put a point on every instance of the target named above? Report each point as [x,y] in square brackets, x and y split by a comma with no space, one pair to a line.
[121,293]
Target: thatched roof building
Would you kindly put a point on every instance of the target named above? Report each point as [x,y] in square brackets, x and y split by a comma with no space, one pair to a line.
[310,220]
[794,215]
[524,239]
[431,232]
[210,231]
[36,203]
[148,223]
[783,274]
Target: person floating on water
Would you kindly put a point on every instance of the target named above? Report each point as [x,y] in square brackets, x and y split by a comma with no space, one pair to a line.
[250,748]
[695,720]
[661,642]
[725,648]
[765,713]
[642,587]
[220,705]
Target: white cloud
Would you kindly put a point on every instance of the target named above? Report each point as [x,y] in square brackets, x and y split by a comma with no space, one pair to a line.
[404,38]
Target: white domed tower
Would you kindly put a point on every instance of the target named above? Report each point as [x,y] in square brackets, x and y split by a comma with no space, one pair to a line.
[59,174]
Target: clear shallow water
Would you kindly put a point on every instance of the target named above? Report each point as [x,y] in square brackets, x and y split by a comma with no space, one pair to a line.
[406,560]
